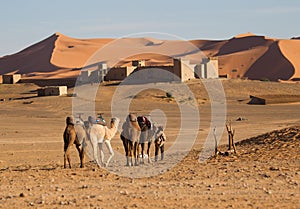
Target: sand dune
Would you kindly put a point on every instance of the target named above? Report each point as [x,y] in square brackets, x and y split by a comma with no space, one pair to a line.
[240,61]
[73,53]
[290,49]
[35,58]
[272,65]
[245,55]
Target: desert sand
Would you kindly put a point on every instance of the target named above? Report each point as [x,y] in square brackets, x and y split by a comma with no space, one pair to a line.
[245,55]
[265,172]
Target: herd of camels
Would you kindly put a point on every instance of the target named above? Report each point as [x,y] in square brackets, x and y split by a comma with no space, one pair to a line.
[136,131]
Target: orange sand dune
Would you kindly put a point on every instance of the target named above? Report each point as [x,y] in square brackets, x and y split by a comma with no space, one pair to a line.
[291,50]
[237,64]
[245,55]
[73,53]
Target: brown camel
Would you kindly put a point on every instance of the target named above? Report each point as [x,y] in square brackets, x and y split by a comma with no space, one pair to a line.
[74,134]
[130,137]
[148,130]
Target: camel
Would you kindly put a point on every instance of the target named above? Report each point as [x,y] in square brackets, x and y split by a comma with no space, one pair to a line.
[74,134]
[131,138]
[99,134]
[148,130]
[159,141]
[144,131]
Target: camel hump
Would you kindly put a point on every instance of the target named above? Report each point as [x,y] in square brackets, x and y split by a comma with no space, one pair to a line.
[92,120]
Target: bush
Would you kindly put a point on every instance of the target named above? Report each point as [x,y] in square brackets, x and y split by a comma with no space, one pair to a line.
[169,95]
[265,79]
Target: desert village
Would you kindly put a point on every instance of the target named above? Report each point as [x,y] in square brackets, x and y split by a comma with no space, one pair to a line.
[181,71]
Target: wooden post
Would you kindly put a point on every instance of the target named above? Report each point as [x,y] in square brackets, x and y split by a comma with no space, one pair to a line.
[216,142]
[231,133]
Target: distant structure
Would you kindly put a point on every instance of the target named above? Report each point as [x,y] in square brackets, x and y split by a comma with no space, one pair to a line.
[52,91]
[119,73]
[11,78]
[138,63]
[182,70]
[208,68]
[93,73]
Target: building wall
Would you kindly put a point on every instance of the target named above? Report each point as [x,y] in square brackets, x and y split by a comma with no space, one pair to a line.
[212,69]
[138,63]
[53,91]
[84,76]
[187,70]
[118,73]
[183,69]
[208,68]
[154,74]
[11,78]
[69,82]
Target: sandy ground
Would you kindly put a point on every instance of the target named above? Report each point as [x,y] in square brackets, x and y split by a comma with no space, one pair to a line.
[265,173]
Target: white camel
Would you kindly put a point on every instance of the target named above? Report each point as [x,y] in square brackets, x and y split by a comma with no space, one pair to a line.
[99,134]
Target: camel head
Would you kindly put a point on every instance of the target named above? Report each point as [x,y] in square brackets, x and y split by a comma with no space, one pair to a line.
[159,130]
[70,120]
[114,122]
[132,117]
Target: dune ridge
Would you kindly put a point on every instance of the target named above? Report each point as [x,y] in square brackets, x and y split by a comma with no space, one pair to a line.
[245,55]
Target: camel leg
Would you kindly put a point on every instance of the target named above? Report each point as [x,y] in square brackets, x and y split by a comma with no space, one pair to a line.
[162,152]
[126,146]
[131,152]
[101,153]
[79,153]
[82,154]
[142,153]
[156,152]
[65,160]
[67,157]
[148,151]
[95,149]
[111,152]
[136,153]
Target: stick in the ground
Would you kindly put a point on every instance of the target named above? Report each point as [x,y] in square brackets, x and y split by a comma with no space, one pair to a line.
[216,142]
[231,133]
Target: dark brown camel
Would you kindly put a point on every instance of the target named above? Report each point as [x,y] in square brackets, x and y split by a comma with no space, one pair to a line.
[131,137]
[147,133]
[147,130]
[74,134]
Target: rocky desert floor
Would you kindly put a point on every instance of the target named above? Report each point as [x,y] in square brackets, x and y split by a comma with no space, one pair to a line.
[264,173]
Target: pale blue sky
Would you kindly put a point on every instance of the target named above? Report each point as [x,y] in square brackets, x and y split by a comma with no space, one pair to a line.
[27,22]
